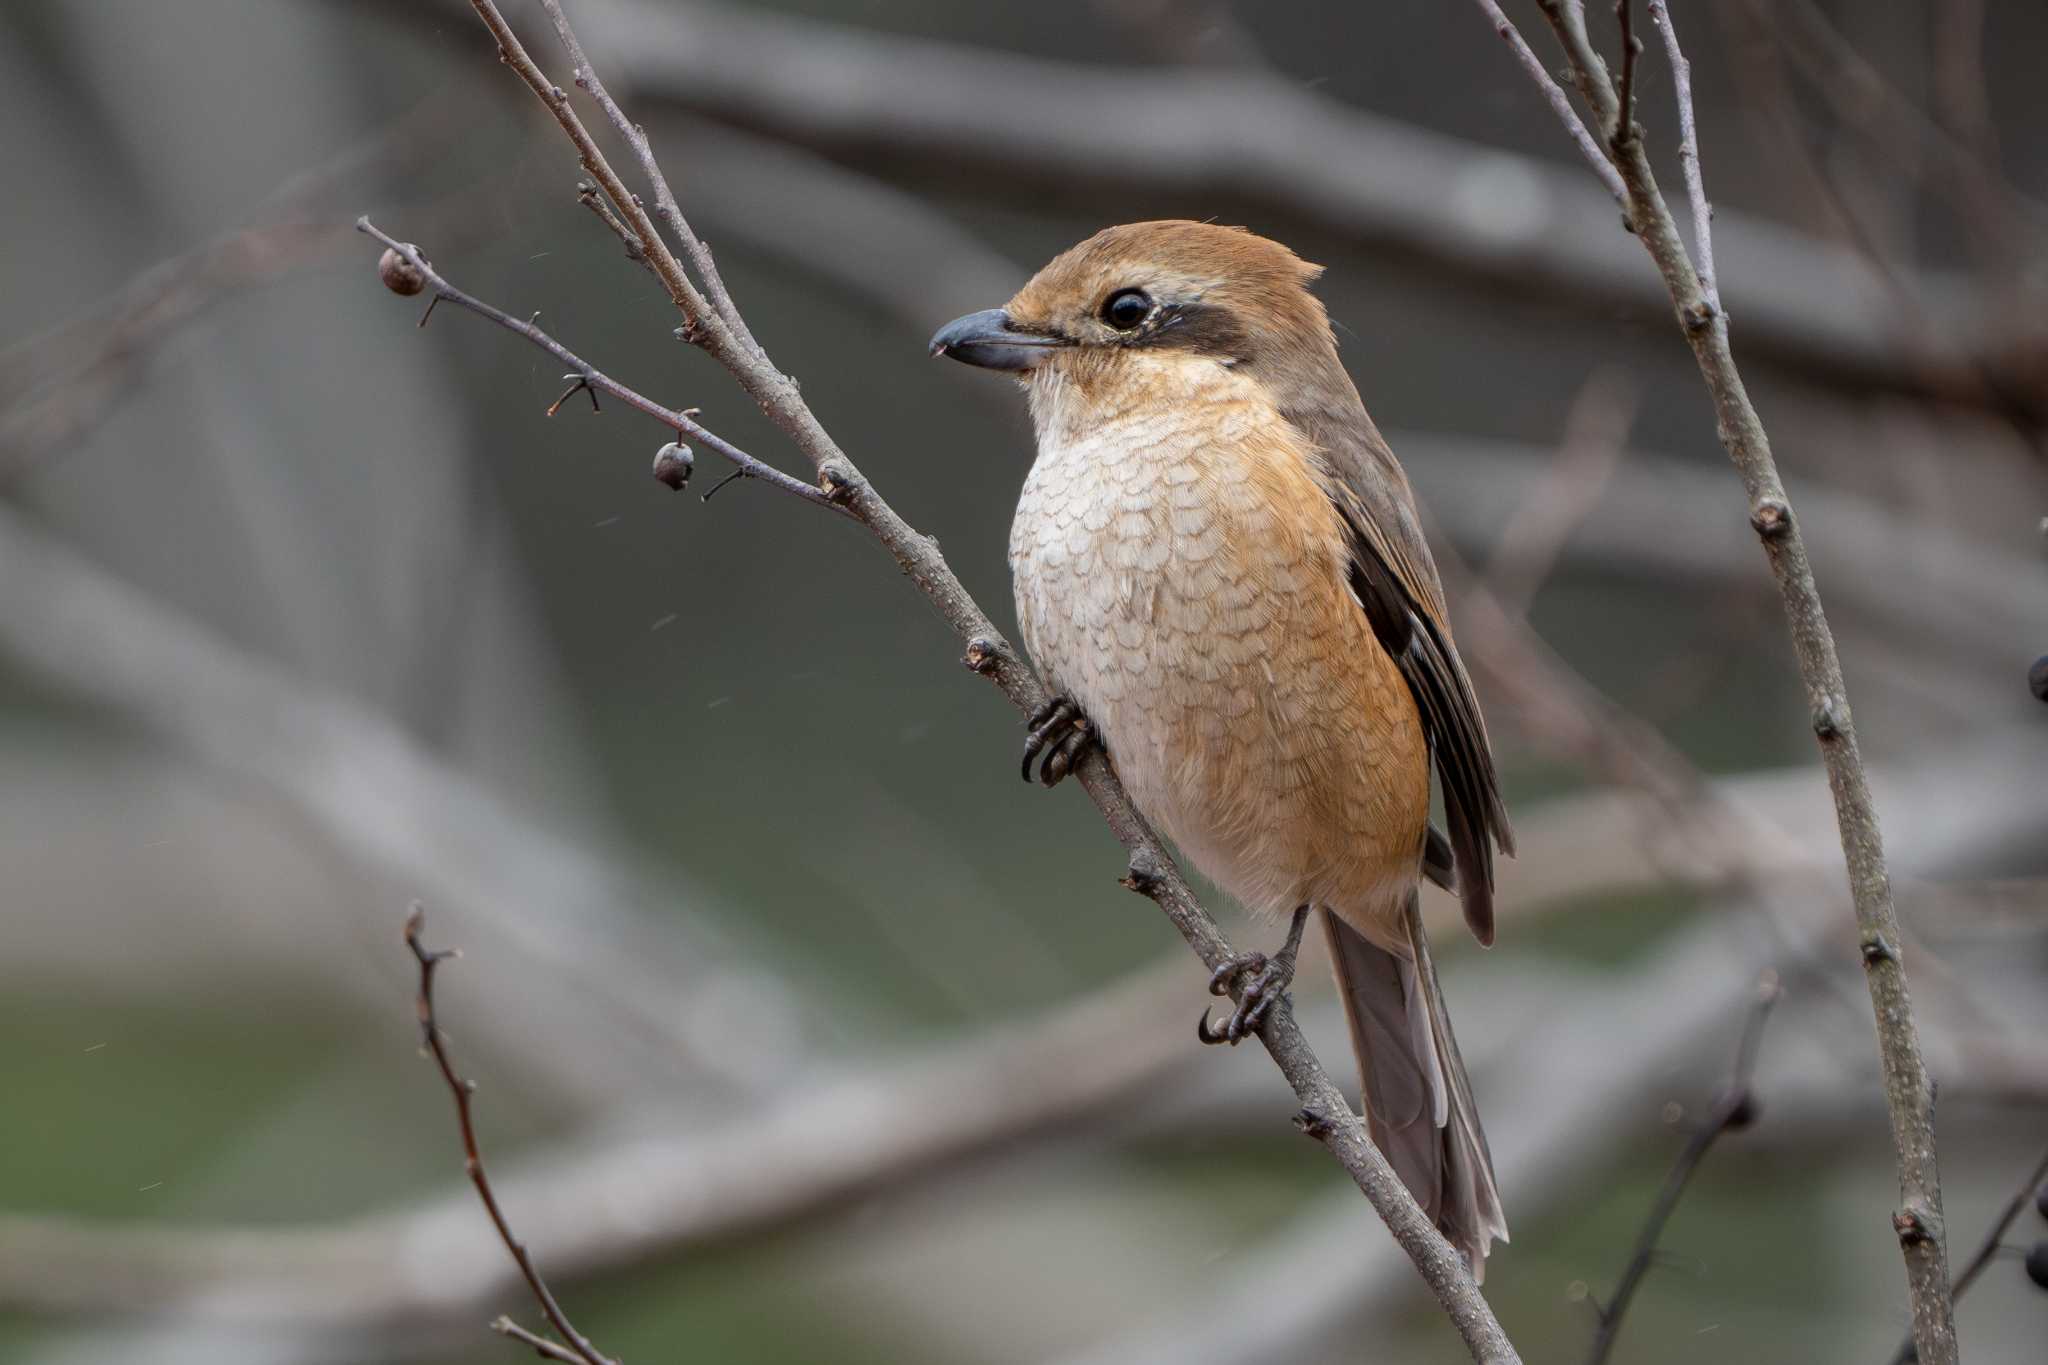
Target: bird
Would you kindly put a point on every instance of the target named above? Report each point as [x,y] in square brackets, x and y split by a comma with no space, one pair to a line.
[1221,575]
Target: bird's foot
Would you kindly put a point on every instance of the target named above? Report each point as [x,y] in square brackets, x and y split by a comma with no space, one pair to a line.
[1062,734]
[1269,979]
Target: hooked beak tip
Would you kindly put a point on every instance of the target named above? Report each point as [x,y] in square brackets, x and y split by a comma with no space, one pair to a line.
[991,340]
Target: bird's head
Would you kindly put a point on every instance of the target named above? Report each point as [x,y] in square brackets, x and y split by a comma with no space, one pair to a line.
[1151,305]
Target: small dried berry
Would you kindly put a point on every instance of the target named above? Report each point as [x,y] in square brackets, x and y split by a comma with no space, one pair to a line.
[673,465]
[2037,1264]
[400,276]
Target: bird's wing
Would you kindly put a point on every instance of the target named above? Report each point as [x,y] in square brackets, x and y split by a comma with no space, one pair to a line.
[1395,580]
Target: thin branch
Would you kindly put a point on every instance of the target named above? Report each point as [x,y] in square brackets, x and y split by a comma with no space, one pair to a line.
[1574,126]
[1631,48]
[665,204]
[666,268]
[589,377]
[1987,1250]
[592,196]
[464,1091]
[1324,1113]
[1689,152]
[539,1344]
[1735,1109]
[1909,1095]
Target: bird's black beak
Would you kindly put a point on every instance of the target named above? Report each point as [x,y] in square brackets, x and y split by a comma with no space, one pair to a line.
[990,340]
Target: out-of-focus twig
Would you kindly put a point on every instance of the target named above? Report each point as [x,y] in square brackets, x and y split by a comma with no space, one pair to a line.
[57,386]
[463,1091]
[1908,1091]
[1868,104]
[1734,1109]
[1592,446]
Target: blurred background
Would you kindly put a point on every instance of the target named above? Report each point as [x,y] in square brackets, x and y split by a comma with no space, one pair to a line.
[803,1030]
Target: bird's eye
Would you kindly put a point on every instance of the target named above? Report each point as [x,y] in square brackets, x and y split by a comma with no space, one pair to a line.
[1127,308]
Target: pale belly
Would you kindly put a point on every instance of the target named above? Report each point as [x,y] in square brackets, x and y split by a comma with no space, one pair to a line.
[1196,608]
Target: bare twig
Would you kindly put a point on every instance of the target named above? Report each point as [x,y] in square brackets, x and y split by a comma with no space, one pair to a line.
[539,1344]
[1988,1249]
[1689,152]
[463,1091]
[666,268]
[1631,48]
[665,204]
[1734,1109]
[1574,126]
[1908,1092]
[1325,1114]
[589,377]
[593,197]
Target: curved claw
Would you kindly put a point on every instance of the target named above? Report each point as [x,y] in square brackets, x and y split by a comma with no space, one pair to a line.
[1213,1036]
[1044,722]
[1220,979]
[1271,976]
[1068,752]
[1066,749]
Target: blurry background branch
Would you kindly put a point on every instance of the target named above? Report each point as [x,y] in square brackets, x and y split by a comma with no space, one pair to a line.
[1087,1067]
[1734,1109]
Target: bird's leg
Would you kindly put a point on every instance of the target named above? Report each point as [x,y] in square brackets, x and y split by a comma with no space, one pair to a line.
[1270,979]
[1062,734]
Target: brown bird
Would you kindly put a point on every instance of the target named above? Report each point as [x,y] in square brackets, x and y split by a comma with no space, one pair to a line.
[1220,572]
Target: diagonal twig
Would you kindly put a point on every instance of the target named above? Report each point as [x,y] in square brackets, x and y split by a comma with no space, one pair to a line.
[580,1350]
[591,378]
[1574,126]
[586,78]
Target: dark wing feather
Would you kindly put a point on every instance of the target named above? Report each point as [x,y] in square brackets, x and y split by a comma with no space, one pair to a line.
[1395,580]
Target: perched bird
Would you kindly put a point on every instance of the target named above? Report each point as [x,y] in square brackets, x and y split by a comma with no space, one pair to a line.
[1220,573]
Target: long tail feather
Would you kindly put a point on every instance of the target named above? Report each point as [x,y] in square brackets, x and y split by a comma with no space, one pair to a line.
[1418,1101]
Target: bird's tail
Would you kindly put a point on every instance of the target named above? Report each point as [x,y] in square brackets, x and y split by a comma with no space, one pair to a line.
[1418,1103]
